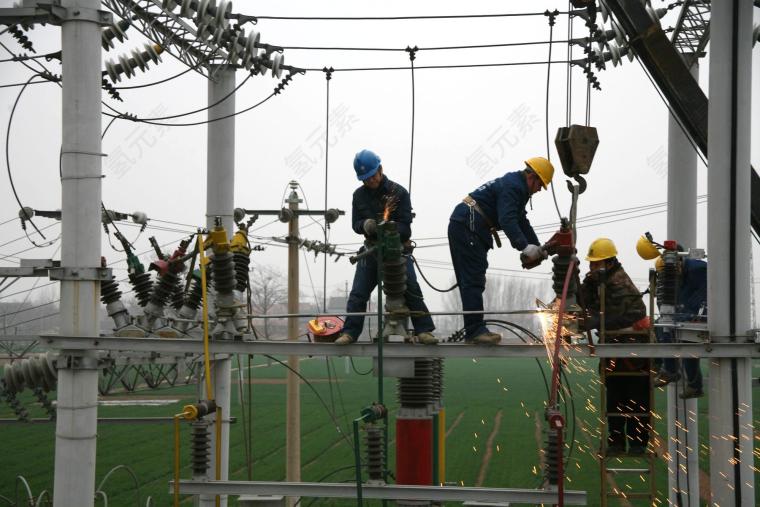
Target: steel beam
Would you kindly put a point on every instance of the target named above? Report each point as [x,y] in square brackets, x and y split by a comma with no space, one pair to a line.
[384,492]
[671,75]
[174,346]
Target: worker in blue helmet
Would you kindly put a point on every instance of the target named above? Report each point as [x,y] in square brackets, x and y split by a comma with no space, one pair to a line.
[369,203]
[474,225]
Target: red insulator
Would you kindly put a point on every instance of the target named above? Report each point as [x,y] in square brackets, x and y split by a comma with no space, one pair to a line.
[414,451]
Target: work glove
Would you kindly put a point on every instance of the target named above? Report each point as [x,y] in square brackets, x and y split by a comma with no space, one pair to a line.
[370,227]
[532,255]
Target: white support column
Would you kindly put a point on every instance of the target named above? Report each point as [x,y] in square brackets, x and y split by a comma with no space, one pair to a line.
[730,413]
[683,429]
[220,195]
[77,410]
[293,388]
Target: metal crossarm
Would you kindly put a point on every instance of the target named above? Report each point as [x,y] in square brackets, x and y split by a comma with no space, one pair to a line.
[692,30]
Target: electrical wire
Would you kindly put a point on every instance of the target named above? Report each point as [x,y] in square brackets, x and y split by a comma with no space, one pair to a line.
[133,87]
[431,48]
[419,270]
[548,82]
[400,18]
[426,67]
[411,144]
[328,77]
[8,160]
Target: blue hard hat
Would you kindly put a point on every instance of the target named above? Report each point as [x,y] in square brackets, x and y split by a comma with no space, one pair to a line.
[366,164]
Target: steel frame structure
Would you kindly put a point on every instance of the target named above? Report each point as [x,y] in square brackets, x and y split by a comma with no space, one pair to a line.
[175,35]
[692,30]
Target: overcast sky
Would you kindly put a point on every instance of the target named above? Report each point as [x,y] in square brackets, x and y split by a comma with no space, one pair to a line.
[472,125]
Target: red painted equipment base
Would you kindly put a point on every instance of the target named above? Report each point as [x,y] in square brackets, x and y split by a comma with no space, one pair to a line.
[414,451]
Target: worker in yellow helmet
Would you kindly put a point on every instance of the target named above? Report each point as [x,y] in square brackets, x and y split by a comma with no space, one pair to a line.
[623,309]
[474,226]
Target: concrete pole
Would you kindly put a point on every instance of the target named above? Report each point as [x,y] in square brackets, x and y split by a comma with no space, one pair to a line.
[77,410]
[293,417]
[730,413]
[220,196]
[683,429]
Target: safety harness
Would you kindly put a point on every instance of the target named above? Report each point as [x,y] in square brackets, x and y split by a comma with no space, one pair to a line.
[473,205]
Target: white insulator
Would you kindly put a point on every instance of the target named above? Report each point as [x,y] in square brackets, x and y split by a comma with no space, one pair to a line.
[619,37]
[139,61]
[235,50]
[600,46]
[186,11]
[218,35]
[139,217]
[604,11]
[118,34]
[168,5]
[205,29]
[153,52]
[222,11]
[202,11]
[599,57]
[277,61]
[251,49]
[615,54]
[111,70]
[126,67]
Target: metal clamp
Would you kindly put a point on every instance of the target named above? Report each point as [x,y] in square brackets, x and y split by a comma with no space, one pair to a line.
[77,274]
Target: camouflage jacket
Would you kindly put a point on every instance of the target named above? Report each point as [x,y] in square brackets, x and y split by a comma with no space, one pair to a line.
[623,303]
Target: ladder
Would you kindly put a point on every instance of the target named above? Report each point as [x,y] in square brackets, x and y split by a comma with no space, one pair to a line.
[625,465]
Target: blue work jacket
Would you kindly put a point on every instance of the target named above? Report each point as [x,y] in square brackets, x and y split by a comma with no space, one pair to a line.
[503,201]
[368,203]
[692,294]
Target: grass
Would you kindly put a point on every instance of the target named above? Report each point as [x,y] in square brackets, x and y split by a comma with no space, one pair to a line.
[476,389]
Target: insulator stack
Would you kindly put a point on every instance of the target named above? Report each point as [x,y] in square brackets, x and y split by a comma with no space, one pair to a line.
[39,393]
[242,262]
[164,289]
[109,291]
[373,437]
[10,398]
[115,31]
[551,458]
[128,66]
[178,295]
[200,448]
[30,372]
[224,273]
[142,285]
[667,281]
[21,38]
[561,264]
[194,297]
[437,380]
[417,391]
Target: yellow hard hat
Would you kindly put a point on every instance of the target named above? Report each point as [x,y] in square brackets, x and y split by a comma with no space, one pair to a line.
[646,249]
[543,168]
[601,249]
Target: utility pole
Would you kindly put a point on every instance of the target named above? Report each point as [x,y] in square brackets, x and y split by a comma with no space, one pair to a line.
[220,194]
[293,417]
[728,226]
[77,409]
[683,430]
[290,216]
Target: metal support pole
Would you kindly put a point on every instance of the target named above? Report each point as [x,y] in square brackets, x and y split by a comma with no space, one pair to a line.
[683,429]
[728,226]
[77,413]
[220,194]
[293,416]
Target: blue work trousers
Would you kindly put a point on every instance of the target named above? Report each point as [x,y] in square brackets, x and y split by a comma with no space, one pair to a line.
[469,254]
[670,364]
[365,281]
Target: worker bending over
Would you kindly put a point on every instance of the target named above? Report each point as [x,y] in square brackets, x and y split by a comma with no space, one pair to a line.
[624,311]
[369,203]
[473,227]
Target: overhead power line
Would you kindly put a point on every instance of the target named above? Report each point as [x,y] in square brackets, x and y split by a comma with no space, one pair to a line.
[428,67]
[401,18]
[431,48]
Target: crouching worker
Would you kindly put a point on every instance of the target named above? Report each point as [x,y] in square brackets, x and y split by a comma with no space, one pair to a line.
[626,379]
[369,203]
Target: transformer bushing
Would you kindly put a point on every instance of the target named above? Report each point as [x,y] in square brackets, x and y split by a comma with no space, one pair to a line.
[373,438]
[164,288]
[224,285]
[394,280]
[31,372]
[142,284]
[191,304]
[110,295]
[200,448]
[417,393]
